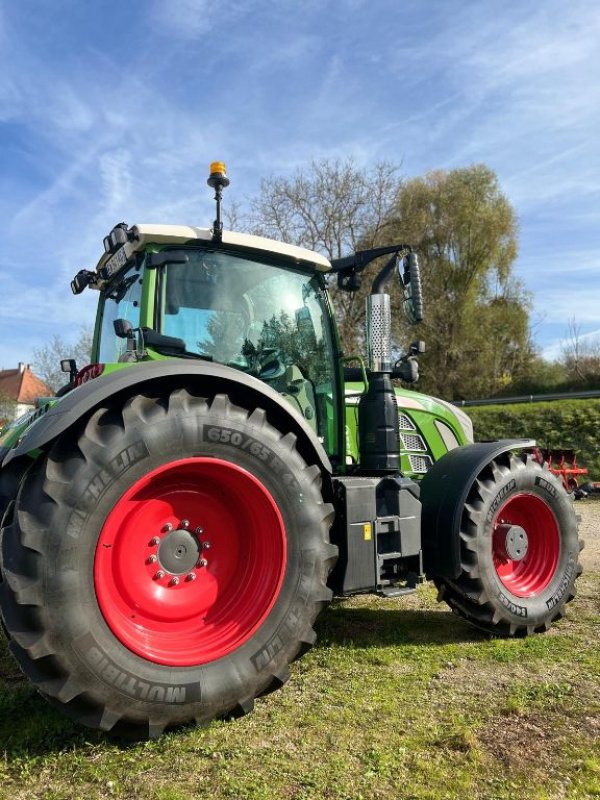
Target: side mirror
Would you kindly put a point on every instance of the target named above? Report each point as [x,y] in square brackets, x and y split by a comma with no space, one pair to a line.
[69,365]
[123,328]
[417,348]
[410,284]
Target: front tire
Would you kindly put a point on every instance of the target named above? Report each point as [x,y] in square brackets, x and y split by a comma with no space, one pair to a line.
[519,550]
[117,609]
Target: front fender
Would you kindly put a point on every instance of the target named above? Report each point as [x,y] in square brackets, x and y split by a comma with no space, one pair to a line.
[444,491]
[245,390]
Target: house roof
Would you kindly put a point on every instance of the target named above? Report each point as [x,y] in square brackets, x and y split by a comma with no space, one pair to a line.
[22,385]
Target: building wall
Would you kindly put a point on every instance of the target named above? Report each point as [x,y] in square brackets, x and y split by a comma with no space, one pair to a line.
[22,408]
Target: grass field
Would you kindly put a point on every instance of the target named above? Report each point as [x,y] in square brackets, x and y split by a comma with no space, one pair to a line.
[399,699]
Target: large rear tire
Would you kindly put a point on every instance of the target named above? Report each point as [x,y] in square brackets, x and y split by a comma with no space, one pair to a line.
[519,550]
[165,564]
[10,479]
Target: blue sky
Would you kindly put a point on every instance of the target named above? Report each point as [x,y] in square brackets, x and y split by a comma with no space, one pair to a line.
[112,111]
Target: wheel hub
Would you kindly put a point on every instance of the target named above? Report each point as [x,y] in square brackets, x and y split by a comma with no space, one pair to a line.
[190,561]
[515,541]
[178,552]
[525,544]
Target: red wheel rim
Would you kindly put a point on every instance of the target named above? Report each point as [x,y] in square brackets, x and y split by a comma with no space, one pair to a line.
[171,521]
[525,564]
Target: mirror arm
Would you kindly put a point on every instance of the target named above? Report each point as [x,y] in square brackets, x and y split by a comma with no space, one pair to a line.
[348,268]
[362,258]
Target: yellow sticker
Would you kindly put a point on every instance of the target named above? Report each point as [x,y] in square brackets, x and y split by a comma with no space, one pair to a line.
[367,531]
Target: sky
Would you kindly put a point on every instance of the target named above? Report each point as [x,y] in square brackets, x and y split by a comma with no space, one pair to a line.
[112,111]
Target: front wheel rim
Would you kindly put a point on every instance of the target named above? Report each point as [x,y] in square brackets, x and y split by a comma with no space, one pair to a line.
[525,544]
[190,561]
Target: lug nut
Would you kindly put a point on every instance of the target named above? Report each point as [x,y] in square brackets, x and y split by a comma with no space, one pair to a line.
[152,560]
[199,530]
[160,574]
[203,562]
[174,581]
[206,545]
[185,523]
[168,527]
[191,576]
[154,541]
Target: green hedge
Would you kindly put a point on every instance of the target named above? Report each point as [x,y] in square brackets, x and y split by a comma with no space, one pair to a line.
[560,423]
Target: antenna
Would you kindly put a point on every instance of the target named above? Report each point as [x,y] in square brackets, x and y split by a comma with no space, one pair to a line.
[218,180]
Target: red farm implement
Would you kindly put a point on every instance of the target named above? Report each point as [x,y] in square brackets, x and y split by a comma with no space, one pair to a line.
[563,463]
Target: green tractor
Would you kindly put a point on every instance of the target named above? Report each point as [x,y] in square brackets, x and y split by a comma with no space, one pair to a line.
[174,522]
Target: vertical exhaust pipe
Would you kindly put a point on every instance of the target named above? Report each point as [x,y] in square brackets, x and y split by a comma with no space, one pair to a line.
[379,332]
[379,441]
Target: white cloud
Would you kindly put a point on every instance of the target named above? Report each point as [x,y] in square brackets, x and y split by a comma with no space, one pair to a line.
[562,303]
[191,19]
[115,171]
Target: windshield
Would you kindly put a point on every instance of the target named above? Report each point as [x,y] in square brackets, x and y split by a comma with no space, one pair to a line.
[262,319]
[121,300]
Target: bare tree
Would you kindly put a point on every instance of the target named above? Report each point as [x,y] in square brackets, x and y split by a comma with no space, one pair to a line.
[46,359]
[581,355]
[333,207]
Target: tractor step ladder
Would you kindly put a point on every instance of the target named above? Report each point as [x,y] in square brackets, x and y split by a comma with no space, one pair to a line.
[389,583]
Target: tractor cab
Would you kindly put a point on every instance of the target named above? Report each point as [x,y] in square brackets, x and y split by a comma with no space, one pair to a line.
[248,303]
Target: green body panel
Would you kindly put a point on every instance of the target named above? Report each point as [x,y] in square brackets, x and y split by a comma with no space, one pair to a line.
[12,432]
[427,414]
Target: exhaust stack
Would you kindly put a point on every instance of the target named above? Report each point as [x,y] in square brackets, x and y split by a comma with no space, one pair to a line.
[379,332]
[379,441]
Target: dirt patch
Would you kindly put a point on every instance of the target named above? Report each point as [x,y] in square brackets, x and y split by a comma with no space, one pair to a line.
[589,530]
[519,740]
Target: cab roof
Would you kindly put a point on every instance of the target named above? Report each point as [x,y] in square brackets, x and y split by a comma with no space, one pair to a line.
[146,234]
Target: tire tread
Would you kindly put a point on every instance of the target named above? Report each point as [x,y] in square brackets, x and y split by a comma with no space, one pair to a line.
[25,544]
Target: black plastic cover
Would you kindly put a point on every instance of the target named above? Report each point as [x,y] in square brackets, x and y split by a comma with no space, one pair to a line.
[376,517]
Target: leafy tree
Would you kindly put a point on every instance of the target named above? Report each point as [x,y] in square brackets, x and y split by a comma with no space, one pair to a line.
[542,377]
[476,312]
[46,359]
